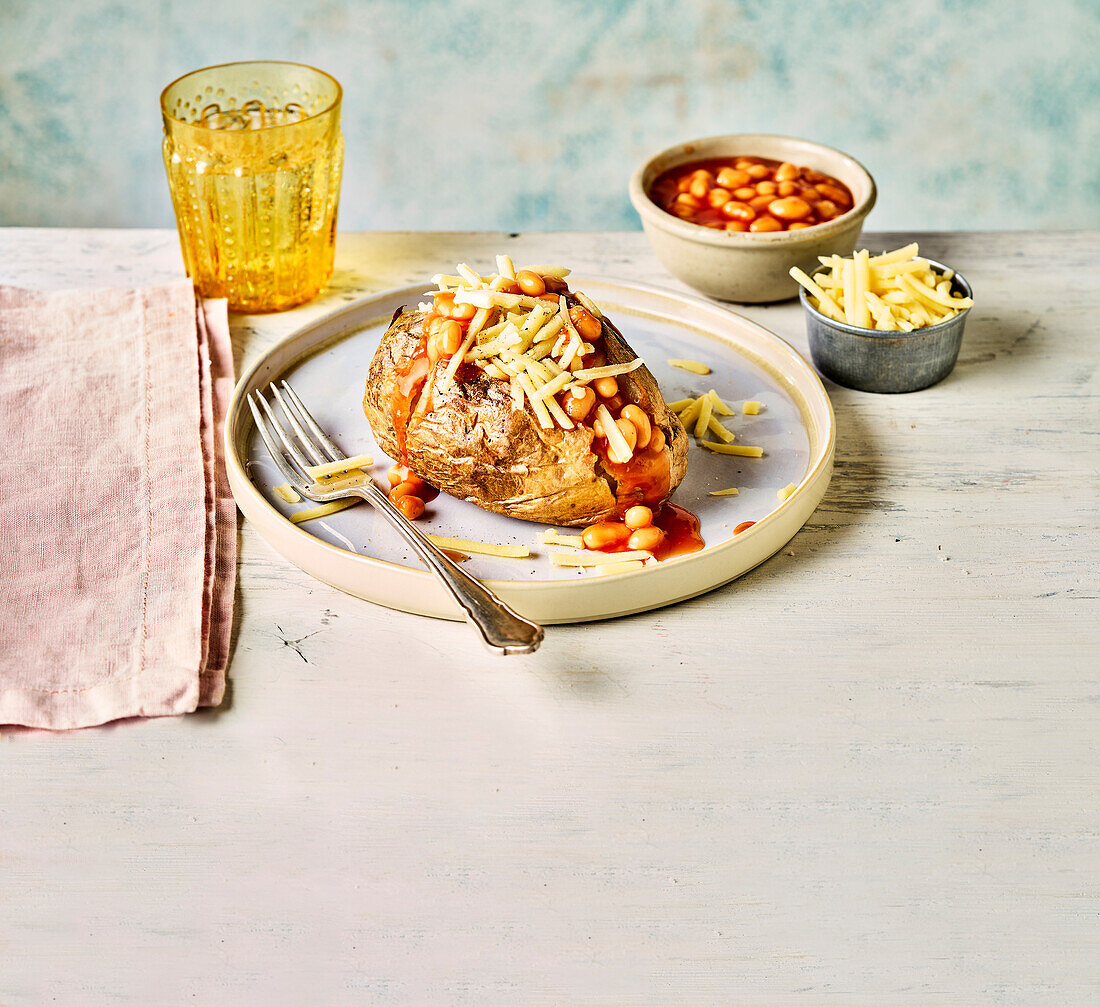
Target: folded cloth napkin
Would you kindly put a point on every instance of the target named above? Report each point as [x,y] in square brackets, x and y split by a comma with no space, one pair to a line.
[118,548]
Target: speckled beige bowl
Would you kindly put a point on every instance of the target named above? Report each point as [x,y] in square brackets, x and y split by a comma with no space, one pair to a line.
[742,265]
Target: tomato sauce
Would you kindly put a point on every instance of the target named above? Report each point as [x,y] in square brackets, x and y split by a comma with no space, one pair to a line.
[410,379]
[644,479]
[750,194]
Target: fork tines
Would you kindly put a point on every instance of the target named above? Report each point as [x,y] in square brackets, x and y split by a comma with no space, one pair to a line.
[306,432]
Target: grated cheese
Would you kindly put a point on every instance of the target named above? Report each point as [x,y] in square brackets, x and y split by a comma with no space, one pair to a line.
[541,412]
[482,548]
[319,472]
[608,569]
[589,304]
[323,510]
[720,431]
[721,407]
[593,558]
[742,450]
[706,407]
[608,370]
[690,365]
[552,537]
[617,448]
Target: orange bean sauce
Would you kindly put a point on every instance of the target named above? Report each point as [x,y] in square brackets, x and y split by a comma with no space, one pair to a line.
[784,196]
[680,526]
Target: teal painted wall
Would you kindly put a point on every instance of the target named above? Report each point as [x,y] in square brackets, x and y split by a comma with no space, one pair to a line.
[482,115]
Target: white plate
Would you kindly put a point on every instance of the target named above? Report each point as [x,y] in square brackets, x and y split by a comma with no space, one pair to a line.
[327,361]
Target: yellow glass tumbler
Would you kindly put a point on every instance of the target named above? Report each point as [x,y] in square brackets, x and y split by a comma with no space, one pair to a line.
[254,156]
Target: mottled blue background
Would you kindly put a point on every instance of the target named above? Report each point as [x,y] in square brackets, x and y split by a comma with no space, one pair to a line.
[480,115]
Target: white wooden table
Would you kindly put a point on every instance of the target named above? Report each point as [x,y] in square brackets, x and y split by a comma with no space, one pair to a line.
[864,774]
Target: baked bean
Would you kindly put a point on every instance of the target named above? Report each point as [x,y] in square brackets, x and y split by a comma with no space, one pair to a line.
[700,186]
[397,474]
[765,223]
[606,387]
[629,432]
[736,225]
[786,172]
[462,312]
[657,440]
[531,283]
[444,302]
[787,188]
[646,538]
[614,404]
[760,202]
[412,507]
[638,416]
[745,192]
[766,188]
[731,178]
[595,359]
[639,516]
[578,407]
[739,211]
[758,171]
[585,323]
[684,184]
[687,199]
[838,196]
[715,225]
[550,298]
[450,337]
[826,209]
[403,489]
[435,351]
[790,208]
[718,197]
[605,535]
[744,163]
[812,176]
[797,225]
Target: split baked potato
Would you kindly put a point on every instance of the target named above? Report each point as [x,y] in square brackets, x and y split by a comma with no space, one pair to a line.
[473,427]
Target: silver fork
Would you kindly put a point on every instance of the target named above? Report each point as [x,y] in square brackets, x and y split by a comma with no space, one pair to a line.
[503,630]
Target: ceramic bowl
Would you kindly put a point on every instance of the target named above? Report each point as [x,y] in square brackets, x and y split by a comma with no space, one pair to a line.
[874,361]
[745,266]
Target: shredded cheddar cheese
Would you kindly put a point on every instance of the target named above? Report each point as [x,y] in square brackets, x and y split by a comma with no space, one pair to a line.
[330,469]
[323,510]
[690,365]
[482,548]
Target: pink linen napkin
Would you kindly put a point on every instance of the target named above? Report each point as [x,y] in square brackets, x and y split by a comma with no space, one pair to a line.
[118,542]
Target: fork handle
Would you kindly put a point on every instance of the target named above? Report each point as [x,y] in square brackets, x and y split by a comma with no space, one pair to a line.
[503,630]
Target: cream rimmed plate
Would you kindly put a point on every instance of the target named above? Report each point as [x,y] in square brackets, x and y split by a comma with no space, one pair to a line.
[327,362]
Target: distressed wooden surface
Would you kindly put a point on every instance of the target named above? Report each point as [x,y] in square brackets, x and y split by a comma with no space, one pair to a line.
[864,774]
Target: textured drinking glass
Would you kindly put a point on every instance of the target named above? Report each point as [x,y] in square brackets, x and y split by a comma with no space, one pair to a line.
[254,155]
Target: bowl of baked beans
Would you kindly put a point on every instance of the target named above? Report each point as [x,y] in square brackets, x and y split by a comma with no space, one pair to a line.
[730,215]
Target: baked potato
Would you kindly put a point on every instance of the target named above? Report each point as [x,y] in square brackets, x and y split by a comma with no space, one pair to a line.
[474,429]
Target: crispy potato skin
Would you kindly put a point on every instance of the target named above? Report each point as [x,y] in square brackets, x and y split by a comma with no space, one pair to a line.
[476,445]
